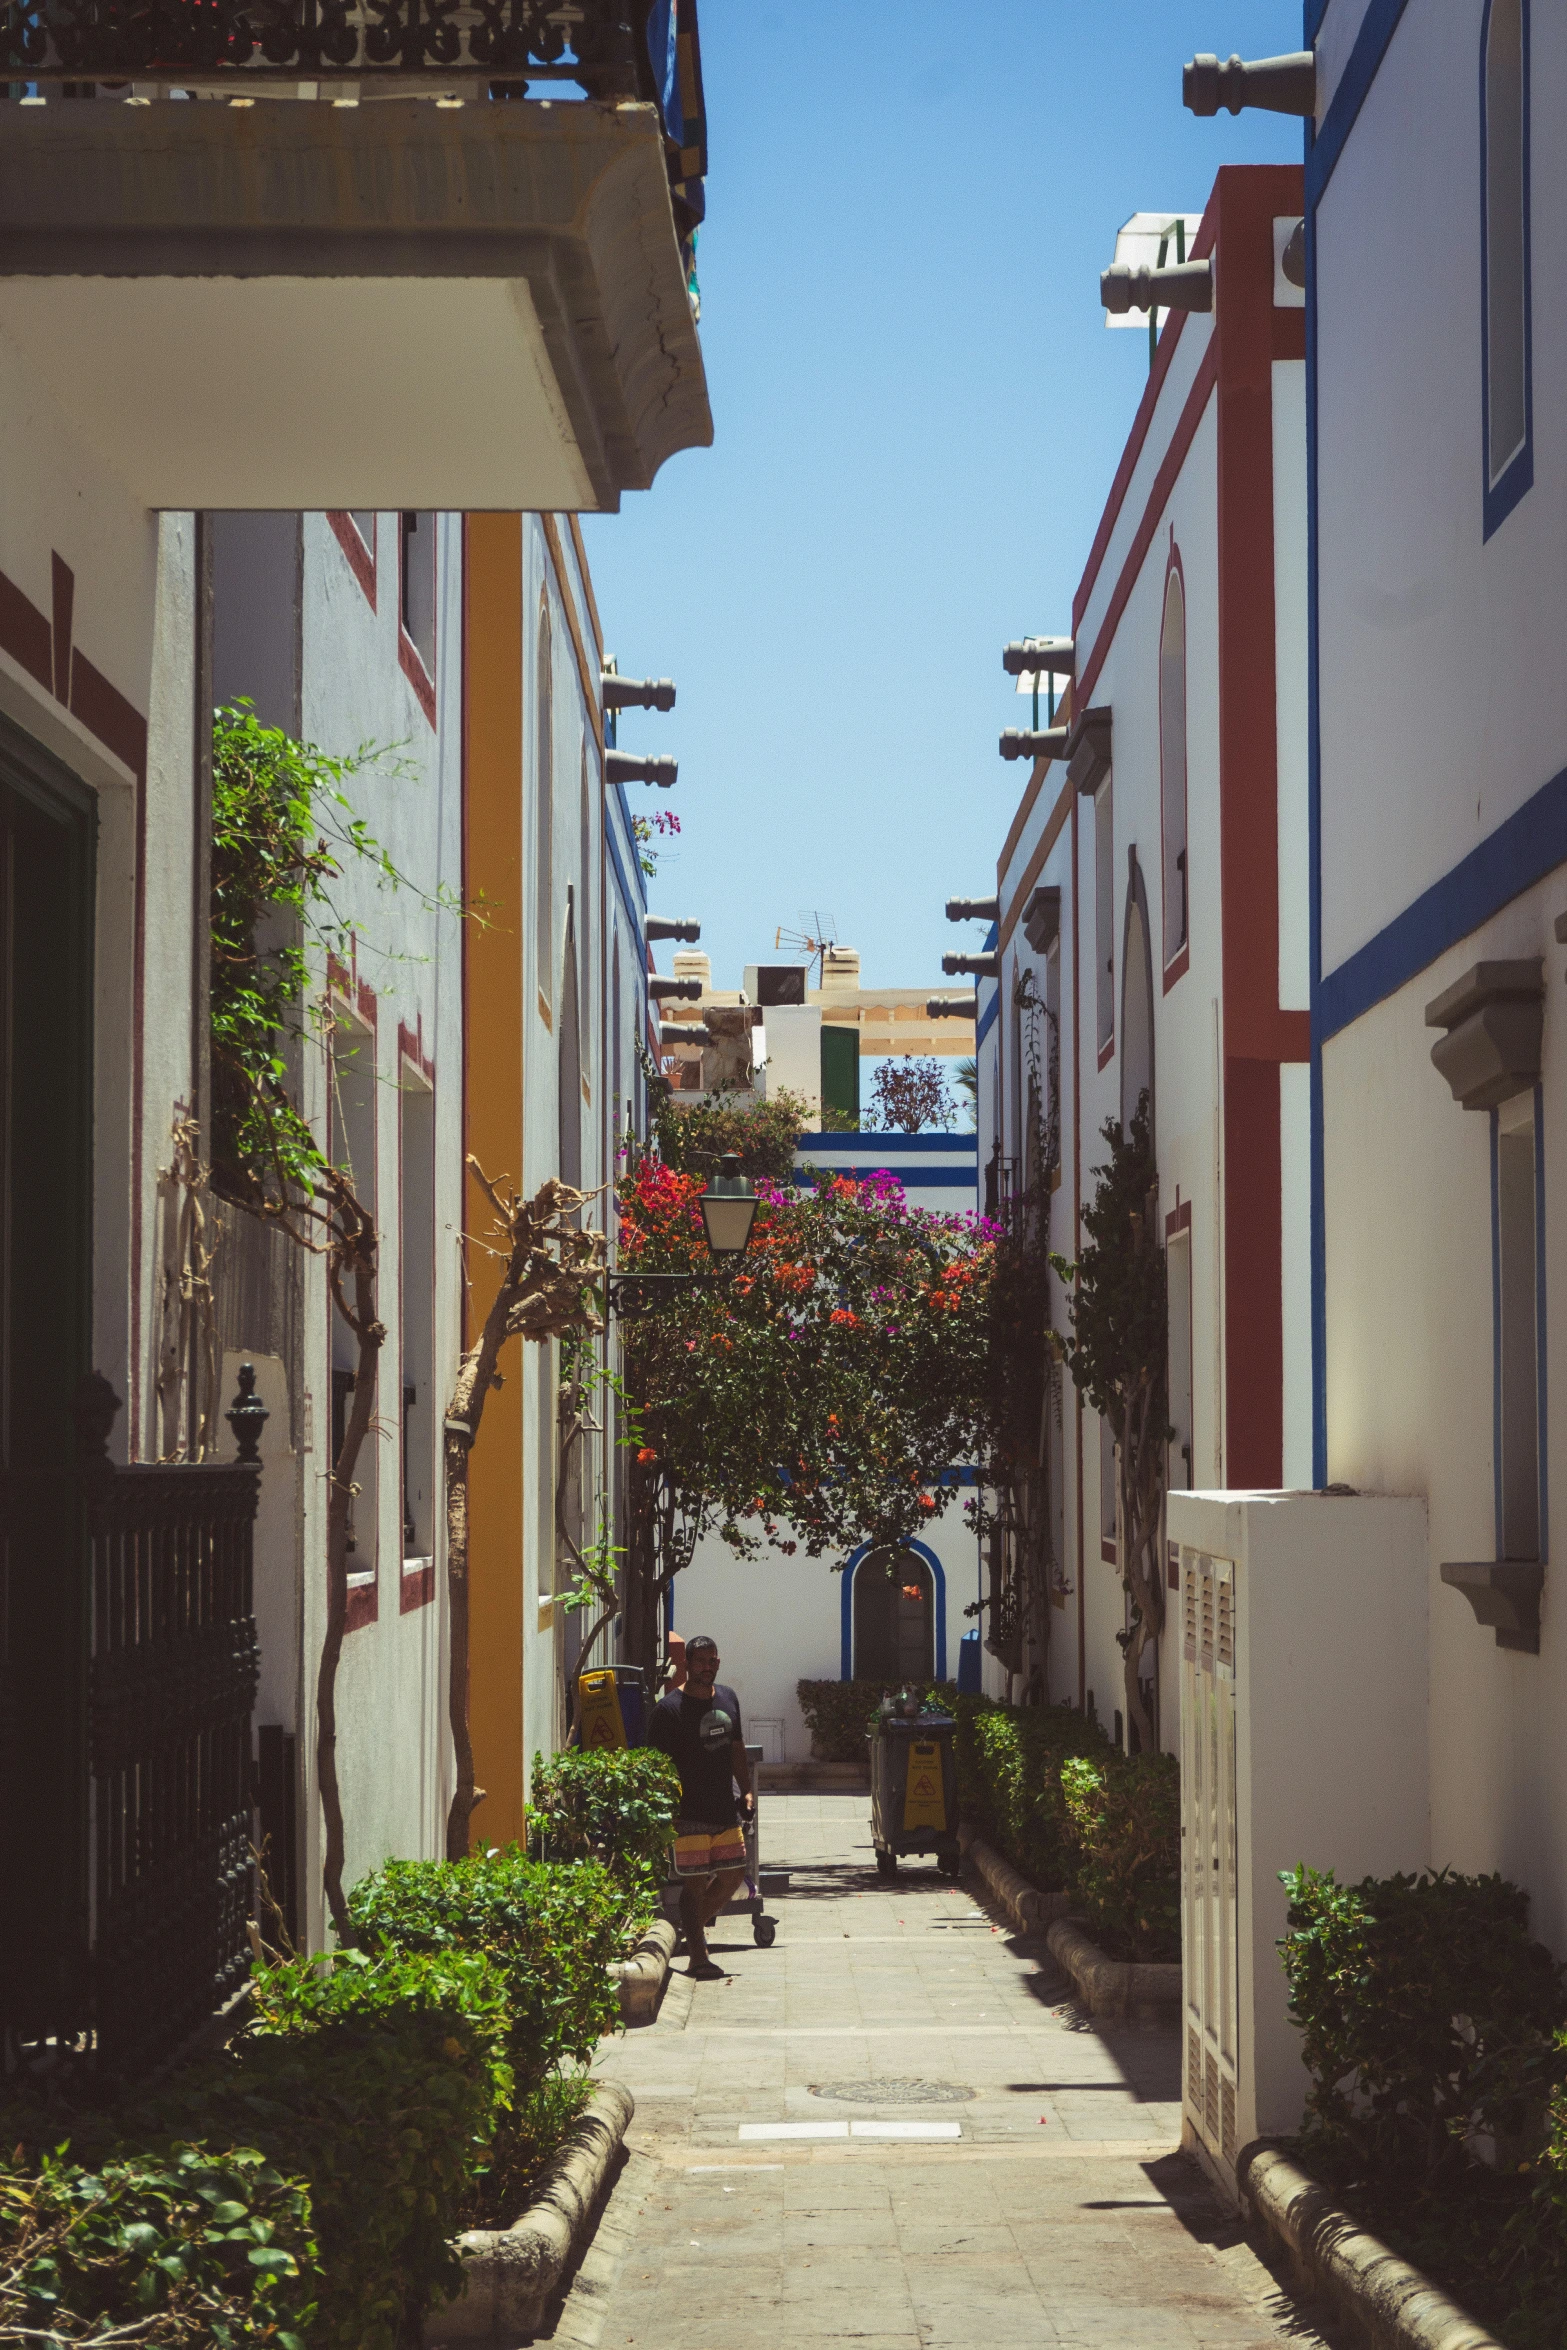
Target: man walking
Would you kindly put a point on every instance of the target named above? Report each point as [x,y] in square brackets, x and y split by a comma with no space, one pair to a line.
[698,1727]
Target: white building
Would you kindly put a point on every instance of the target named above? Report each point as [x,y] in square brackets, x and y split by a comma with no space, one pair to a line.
[209,328]
[1149,930]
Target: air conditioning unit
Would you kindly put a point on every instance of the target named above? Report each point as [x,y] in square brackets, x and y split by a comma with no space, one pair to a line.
[1302,1630]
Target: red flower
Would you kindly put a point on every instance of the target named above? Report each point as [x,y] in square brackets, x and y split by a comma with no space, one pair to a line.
[647,1454]
[842,1314]
[927,1501]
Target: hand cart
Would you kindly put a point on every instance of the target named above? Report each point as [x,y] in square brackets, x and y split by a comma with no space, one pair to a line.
[760,1886]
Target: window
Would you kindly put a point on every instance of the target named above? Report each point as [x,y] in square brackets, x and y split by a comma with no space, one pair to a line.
[1104,916]
[1504,147]
[617,1075]
[1107,1549]
[417,608]
[544,838]
[1517,1191]
[1172,769]
[416,1281]
[352,1142]
[1050,1046]
[569,1162]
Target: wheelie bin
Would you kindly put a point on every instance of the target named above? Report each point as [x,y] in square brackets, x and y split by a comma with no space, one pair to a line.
[914,1790]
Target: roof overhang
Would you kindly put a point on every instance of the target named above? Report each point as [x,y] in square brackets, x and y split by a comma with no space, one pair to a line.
[295,305]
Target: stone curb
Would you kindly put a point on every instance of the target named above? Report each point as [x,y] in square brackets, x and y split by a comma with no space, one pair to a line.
[1106,1986]
[1389,2304]
[512,2272]
[1114,1986]
[641,1977]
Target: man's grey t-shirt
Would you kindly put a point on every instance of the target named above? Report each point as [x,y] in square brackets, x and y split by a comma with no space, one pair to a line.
[697,1733]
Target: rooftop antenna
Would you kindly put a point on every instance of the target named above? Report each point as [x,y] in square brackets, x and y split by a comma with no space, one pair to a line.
[817,942]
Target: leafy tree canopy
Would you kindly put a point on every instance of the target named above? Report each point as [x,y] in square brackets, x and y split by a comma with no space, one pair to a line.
[910,1097]
[817,1393]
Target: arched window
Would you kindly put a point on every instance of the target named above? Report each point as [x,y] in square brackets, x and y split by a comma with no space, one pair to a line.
[1504,146]
[570,1095]
[894,1618]
[586,894]
[1172,767]
[544,795]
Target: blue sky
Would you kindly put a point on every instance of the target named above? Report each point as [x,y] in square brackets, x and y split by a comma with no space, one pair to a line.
[918,412]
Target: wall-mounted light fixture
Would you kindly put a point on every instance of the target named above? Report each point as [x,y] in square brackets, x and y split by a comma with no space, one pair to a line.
[637,693]
[973,966]
[675,991]
[659,926]
[1035,656]
[1185,285]
[1279,85]
[1045,742]
[621,767]
[728,1213]
[952,1007]
[973,909]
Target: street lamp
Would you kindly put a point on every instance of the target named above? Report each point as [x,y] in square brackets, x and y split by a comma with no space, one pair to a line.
[728,1213]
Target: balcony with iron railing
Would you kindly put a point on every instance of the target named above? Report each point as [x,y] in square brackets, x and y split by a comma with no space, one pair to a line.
[358,253]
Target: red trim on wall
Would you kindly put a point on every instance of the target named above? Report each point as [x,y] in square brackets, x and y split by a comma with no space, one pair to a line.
[1289,334]
[25,634]
[410,1047]
[63,584]
[1256,1032]
[1179,1218]
[363,1605]
[418,1588]
[361,559]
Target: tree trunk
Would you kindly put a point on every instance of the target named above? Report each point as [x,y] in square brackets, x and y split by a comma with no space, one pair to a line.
[370,1334]
[1141,1491]
[475,1377]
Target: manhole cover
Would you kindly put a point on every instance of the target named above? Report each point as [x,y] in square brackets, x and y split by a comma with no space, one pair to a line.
[893,2092]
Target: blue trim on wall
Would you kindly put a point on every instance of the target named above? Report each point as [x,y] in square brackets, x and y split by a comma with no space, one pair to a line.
[853,1146]
[1501,496]
[987,1018]
[1319,1322]
[634,905]
[1377,28]
[938,1578]
[1523,849]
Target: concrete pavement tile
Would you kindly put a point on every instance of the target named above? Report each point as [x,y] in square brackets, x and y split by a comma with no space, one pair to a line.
[868,2228]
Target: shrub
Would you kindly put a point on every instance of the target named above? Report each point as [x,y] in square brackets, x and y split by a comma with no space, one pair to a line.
[1009,1762]
[1533,2250]
[1419,1999]
[693,1139]
[548,1930]
[188,2247]
[838,1713]
[378,2080]
[1125,1815]
[612,1804]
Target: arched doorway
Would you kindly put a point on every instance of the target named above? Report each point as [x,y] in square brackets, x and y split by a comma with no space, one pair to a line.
[894,1618]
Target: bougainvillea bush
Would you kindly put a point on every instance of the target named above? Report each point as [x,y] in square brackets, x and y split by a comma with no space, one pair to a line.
[812,1397]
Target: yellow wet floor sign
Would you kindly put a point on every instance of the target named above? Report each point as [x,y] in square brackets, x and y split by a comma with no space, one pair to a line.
[924,1803]
[600,1716]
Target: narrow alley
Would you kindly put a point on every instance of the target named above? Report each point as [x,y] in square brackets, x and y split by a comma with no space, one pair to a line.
[896,2129]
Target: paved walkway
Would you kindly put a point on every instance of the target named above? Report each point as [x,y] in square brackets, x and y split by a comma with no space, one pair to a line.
[776,2194]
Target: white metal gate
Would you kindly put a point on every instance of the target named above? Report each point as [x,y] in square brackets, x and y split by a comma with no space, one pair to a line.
[1209,1845]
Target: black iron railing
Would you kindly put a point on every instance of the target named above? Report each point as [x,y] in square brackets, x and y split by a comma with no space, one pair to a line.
[173,1666]
[593,43]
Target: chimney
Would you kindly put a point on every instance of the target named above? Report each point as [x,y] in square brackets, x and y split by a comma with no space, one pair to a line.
[840,971]
[692,963]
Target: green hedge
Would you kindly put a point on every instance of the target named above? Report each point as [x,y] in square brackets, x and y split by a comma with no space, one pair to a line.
[838,1713]
[348,2119]
[1431,2019]
[549,1931]
[615,1804]
[194,2247]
